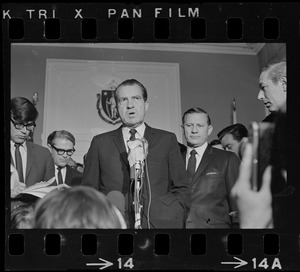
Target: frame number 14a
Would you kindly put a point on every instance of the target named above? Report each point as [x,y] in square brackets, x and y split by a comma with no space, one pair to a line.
[264,264]
[256,264]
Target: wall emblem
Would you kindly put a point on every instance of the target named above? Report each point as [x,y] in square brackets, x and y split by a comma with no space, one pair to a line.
[107,107]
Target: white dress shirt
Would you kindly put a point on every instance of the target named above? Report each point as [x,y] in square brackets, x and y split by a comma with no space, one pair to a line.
[140,131]
[63,174]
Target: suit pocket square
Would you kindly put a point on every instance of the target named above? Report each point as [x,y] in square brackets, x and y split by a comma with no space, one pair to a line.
[211,173]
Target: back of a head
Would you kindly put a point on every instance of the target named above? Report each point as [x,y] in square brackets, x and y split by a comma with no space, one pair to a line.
[22,110]
[79,207]
[238,132]
[22,216]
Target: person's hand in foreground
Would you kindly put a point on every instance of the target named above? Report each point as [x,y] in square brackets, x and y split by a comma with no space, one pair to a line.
[254,208]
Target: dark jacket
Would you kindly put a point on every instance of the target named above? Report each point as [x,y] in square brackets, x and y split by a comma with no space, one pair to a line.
[40,164]
[107,169]
[211,186]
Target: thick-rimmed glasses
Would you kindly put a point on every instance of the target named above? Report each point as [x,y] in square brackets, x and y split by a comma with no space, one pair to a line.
[63,151]
[20,126]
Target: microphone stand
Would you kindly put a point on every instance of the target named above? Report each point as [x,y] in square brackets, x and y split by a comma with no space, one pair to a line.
[136,179]
[137,193]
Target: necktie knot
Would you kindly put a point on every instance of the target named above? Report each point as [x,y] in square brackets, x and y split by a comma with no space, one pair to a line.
[193,152]
[132,134]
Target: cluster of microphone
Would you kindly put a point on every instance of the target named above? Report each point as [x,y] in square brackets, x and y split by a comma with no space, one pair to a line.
[137,154]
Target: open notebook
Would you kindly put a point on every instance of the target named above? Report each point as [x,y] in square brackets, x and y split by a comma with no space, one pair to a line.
[39,190]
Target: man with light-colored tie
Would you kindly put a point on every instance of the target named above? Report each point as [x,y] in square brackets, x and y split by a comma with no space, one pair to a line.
[61,144]
[165,195]
[212,173]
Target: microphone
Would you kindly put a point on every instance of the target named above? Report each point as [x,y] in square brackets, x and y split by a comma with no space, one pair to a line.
[135,168]
[138,151]
[117,199]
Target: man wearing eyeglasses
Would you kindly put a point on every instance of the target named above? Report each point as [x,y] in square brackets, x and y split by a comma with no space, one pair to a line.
[33,162]
[61,144]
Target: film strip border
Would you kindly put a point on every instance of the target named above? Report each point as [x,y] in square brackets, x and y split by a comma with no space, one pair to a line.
[159,23]
[220,22]
[164,249]
[125,29]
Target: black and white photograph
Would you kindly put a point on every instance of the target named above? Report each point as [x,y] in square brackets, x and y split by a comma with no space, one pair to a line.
[204,95]
[142,146]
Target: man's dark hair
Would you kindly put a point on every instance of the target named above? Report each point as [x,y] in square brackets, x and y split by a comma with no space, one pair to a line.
[196,110]
[238,132]
[215,142]
[130,82]
[22,110]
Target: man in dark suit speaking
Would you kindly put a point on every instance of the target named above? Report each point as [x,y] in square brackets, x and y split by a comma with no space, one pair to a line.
[165,196]
[212,173]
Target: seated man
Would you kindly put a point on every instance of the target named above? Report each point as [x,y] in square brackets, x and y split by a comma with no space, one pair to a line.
[79,207]
[62,145]
[33,162]
[231,137]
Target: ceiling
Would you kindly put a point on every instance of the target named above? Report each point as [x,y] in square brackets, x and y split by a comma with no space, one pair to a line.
[222,48]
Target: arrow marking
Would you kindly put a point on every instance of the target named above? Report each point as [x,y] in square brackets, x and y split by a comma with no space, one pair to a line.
[239,263]
[104,264]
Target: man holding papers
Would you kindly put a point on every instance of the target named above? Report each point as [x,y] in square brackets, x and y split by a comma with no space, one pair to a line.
[32,162]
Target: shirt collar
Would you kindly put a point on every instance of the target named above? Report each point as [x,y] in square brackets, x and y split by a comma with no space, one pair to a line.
[200,149]
[12,145]
[63,169]
[140,130]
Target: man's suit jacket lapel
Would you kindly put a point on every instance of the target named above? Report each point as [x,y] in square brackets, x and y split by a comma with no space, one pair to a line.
[68,176]
[119,142]
[184,156]
[72,177]
[149,135]
[30,155]
[206,158]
